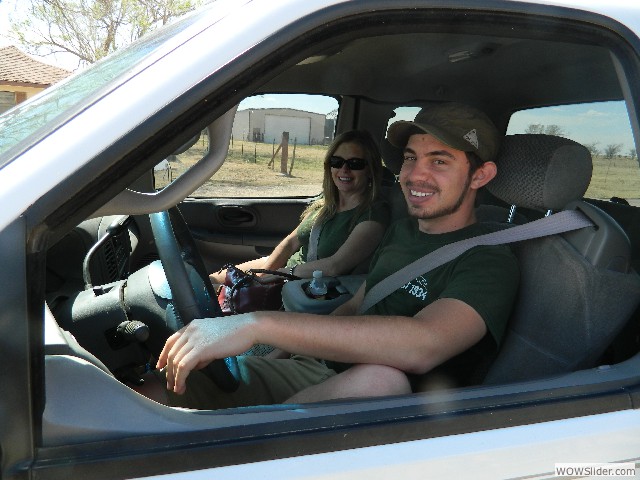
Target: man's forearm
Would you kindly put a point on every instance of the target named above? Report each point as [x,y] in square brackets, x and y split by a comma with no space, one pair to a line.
[417,344]
[349,339]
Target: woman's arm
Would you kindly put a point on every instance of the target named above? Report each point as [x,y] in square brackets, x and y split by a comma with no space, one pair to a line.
[278,258]
[360,244]
[287,247]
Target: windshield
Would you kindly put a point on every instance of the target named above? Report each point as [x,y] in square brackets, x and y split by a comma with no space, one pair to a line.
[54,105]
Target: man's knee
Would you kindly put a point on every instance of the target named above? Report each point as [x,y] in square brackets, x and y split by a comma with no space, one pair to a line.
[377,380]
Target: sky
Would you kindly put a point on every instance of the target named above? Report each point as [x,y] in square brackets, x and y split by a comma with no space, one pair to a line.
[604,123]
[308,103]
[6,7]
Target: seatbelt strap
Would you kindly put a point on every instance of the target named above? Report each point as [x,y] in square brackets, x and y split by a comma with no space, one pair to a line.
[565,221]
[314,238]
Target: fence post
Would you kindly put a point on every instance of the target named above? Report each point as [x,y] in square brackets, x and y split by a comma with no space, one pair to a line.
[293,158]
[285,153]
[271,162]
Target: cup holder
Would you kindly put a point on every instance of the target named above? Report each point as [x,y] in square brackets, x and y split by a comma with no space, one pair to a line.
[339,290]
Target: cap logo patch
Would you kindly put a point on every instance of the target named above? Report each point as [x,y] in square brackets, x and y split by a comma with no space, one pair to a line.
[472,137]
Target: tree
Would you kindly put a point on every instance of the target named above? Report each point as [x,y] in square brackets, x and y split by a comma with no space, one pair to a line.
[593,148]
[91,29]
[612,150]
[535,128]
[632,153]
[538,128]
[555,130]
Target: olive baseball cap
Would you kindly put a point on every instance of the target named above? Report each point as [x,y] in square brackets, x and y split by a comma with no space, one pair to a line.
[457,125]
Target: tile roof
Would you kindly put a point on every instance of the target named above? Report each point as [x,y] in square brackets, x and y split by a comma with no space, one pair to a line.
[18,67]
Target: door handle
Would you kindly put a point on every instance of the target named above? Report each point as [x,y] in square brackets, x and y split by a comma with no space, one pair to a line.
[236,216]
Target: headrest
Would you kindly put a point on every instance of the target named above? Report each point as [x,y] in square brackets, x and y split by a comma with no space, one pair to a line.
[392,157]
[542,172]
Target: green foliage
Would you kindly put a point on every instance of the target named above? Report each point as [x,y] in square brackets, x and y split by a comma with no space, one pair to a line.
[91,29]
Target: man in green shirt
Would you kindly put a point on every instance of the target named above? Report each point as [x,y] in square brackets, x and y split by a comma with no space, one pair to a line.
[447,322]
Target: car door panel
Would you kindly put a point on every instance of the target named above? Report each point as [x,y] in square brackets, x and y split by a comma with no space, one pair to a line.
[237,230]
[627,342]
[236,216]
[628,217]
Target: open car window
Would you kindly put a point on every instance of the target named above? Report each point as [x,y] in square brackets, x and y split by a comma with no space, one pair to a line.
[277,148]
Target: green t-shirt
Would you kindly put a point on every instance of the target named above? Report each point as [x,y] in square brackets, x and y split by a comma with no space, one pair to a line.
[336,230]
[484,277]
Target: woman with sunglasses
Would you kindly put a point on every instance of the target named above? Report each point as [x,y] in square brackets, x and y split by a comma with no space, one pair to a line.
[349,217]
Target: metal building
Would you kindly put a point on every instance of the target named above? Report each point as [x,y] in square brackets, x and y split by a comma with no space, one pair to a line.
[267,124]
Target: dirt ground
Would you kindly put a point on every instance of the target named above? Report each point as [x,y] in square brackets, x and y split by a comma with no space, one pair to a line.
[250,172]
[234,191]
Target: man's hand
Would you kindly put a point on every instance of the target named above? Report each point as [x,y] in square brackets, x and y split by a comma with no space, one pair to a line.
[202,341]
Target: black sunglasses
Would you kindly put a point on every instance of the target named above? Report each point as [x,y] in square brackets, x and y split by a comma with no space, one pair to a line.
[352,163]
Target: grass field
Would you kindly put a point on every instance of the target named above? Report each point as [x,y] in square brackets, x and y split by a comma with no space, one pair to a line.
[247,173]
[619,177]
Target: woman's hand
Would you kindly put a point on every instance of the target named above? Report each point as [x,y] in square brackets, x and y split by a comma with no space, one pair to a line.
[218,278]
[270,277]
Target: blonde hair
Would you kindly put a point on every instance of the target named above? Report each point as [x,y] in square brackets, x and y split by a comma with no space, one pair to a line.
[328,203]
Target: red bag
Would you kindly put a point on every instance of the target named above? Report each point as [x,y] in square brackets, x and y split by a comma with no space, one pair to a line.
[245,292]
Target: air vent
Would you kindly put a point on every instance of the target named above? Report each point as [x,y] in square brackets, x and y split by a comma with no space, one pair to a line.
[116,253]
[111,262]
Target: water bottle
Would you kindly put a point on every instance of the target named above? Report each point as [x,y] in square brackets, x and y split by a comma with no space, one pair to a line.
[317,288]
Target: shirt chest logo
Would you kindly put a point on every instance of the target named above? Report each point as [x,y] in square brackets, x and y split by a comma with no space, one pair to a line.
[417,288]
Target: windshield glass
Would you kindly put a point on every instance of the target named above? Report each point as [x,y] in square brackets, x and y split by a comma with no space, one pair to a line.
[57,103]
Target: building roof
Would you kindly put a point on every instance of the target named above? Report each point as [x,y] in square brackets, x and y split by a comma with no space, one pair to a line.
[18,67]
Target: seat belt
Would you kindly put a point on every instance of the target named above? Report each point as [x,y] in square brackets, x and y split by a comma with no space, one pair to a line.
[314,238]
[561,222]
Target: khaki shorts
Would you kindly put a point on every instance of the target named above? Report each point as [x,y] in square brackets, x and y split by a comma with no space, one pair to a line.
[264,381]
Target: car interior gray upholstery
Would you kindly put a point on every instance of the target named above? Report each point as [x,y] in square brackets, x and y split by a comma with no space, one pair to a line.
[566,65]
[558,170]
[61,342]
[562,321]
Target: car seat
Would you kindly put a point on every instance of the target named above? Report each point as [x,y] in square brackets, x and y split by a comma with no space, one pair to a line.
[577,290]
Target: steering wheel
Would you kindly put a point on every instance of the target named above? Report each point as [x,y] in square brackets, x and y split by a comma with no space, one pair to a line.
[193,295]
